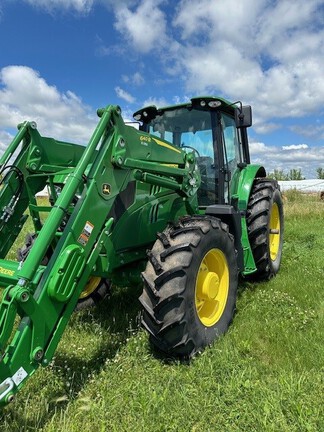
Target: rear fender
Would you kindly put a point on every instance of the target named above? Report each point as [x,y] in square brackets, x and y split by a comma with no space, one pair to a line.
[245,183]
[247,176]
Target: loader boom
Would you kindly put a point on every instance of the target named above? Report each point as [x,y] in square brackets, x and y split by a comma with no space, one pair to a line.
[77,242]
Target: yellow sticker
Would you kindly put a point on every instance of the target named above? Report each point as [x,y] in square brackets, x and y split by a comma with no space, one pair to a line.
[145,138]
[168,146]
[6,272]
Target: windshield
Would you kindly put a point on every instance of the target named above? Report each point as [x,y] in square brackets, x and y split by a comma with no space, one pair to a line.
[185,128]
[192,130]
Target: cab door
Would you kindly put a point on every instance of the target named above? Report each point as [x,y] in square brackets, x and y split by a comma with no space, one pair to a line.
[232,154]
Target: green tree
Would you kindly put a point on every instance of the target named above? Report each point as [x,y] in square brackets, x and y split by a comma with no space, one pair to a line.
[278,175]
[320,173]
[295,174]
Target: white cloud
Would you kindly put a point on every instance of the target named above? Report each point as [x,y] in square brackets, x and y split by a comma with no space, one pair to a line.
[143,27]
[136,79]
[229,72]
[295,147]
[80,6]
[5,139]
[281,21]
[180,99]
[265,127]
[25,95]
[216,17]
[270,54]
[158,102]
[259,148]
[314,131]
[124,95]
[127,115]
[299,156]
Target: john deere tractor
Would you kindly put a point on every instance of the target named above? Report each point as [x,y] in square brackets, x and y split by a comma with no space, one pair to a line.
[175,205]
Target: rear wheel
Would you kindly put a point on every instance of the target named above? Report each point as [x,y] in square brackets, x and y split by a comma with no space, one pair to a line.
[190,285]
[265,222]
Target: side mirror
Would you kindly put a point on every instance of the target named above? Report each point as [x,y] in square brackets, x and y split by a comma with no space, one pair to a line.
[243,116]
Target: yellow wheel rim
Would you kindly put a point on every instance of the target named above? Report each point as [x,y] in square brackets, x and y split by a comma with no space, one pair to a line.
[91,286]
[212,286]
[274,232]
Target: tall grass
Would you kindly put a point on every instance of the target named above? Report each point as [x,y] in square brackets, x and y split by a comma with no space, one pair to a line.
[265,374]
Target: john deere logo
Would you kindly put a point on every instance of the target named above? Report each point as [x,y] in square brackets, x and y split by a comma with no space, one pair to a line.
[106,189]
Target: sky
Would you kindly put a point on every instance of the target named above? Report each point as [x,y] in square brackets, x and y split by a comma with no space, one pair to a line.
[60,60]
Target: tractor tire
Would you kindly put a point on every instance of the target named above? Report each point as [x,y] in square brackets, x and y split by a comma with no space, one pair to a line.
[96,290]
[265,224]
[190,286]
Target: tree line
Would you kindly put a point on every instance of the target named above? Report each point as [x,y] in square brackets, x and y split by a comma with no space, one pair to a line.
[293,174]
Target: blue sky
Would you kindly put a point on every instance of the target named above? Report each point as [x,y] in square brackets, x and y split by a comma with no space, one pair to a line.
[60,60]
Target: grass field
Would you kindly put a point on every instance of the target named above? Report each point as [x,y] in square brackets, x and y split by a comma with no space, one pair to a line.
[265,374]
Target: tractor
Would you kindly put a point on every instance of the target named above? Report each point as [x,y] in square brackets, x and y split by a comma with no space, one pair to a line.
[174,204]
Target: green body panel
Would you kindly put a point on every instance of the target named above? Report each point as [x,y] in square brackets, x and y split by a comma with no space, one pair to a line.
[240,191]
[108,201]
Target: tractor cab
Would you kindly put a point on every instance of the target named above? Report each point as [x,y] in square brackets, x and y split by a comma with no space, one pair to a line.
[215,130]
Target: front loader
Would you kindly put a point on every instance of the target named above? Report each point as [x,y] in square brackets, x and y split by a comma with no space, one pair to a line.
[175,205]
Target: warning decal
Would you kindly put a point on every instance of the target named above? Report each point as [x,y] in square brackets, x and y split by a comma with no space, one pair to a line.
[86,232]
[19,376]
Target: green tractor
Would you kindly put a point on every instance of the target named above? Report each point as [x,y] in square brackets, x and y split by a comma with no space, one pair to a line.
[175,205]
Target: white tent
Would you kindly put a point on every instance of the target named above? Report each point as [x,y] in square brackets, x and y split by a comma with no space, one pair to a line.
[302,185]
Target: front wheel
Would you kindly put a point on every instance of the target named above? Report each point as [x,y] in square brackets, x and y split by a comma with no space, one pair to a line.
[190,286]
[96,290]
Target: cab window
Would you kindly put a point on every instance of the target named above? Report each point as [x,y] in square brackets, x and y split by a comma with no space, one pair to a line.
[232,151]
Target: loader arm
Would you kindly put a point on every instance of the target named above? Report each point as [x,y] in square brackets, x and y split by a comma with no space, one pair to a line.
[78,235]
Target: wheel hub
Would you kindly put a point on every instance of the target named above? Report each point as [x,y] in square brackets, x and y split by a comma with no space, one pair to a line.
[210,286]
[274,232]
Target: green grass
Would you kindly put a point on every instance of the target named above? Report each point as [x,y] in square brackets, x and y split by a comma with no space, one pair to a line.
[265,374]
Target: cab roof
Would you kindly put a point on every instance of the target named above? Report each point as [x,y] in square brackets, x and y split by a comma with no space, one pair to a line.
[148,113]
